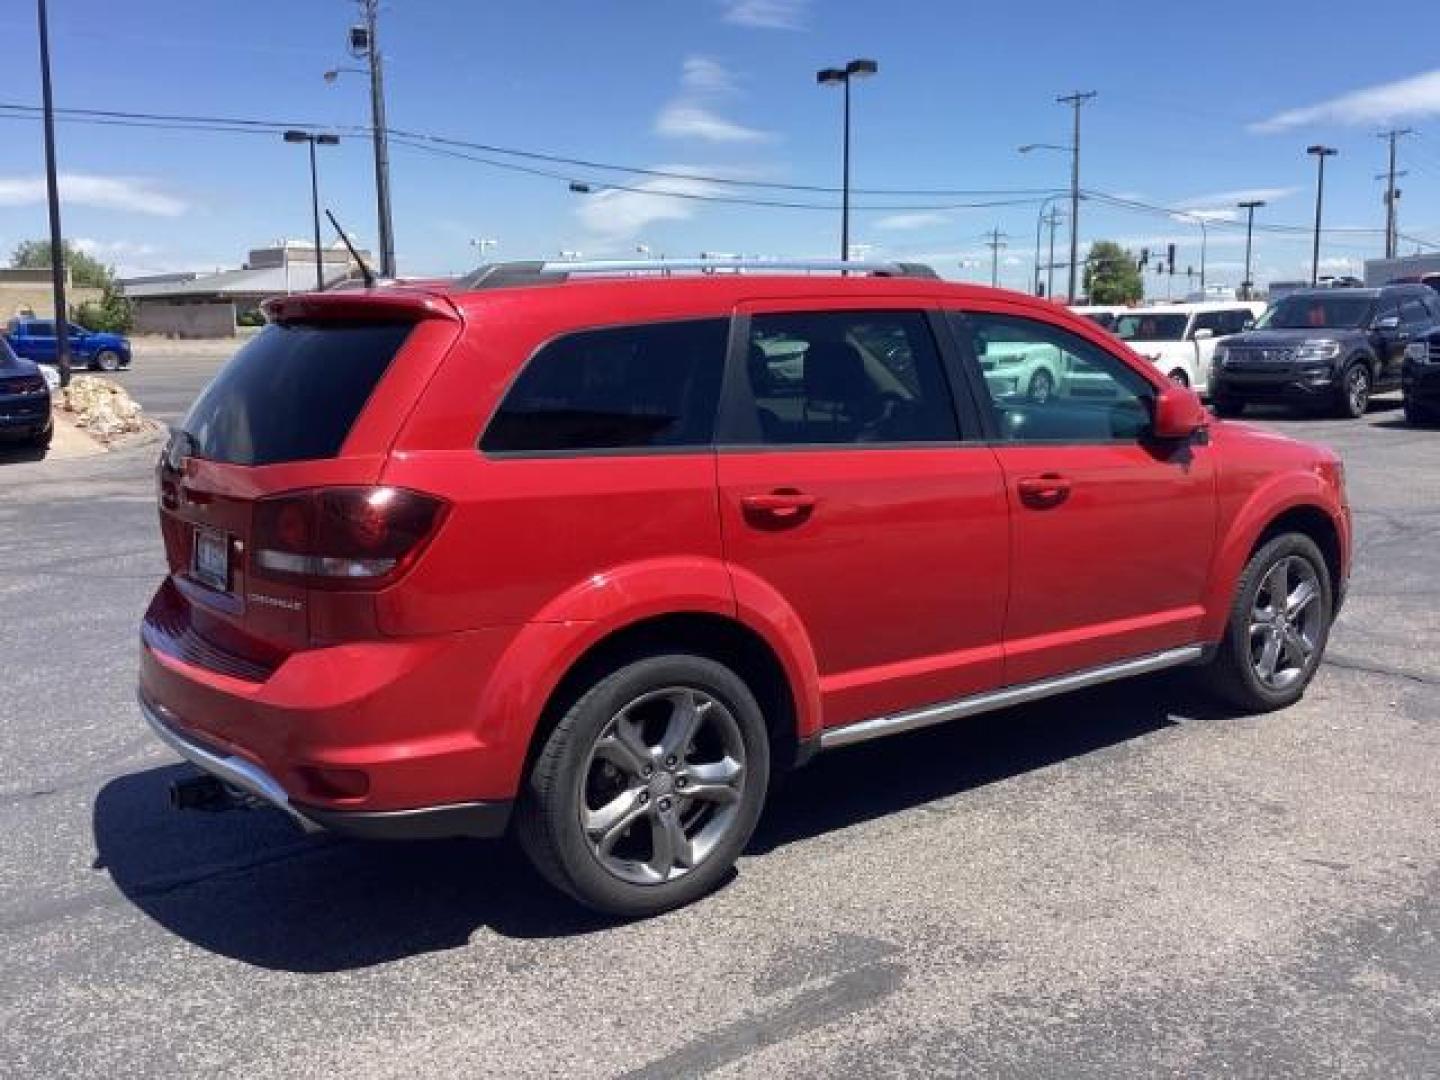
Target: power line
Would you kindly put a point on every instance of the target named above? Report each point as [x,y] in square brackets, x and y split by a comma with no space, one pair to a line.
[227,123]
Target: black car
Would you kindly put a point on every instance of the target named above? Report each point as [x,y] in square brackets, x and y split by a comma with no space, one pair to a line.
[1323,348]
[1420,379]
[24,401]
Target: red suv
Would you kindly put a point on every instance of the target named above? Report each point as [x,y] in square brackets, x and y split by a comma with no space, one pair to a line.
[600,550]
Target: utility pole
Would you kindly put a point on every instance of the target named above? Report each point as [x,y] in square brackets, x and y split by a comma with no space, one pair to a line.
[1247,287]
[1075,100]
[996,243]
[379,130]
[1390,193]
[52,191]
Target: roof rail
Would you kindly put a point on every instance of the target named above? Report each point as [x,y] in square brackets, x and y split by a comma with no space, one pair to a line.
[494,275]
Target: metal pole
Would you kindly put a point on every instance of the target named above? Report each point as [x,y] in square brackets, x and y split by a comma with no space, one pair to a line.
[1039,220]
[1050,265]
[382,146]
[315,214]
[1390,202]
[845,183]
[1204,242]
[1076,100]
[1321,153]
[52,191]
[1248,285]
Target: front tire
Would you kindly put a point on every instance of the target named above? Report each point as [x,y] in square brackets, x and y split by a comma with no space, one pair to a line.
[1042,387]
[1417,415]
[107,360]
[1278,626]
[1355,388]
[649,787]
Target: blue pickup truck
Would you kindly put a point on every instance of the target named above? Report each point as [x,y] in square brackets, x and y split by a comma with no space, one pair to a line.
[34,339]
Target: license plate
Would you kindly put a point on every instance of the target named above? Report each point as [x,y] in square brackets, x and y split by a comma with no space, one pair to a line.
[212,559]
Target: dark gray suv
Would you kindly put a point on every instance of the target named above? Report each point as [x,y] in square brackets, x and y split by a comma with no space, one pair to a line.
[1323,348]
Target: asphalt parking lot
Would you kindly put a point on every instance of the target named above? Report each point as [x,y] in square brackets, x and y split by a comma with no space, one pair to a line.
[1123,883]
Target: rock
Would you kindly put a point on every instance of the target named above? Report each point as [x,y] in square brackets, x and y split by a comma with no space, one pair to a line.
[101,407]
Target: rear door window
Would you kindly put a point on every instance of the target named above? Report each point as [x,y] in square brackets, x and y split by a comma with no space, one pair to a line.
[293,393]
[640,387]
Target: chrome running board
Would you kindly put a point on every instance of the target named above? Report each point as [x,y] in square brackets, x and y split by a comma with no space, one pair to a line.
[893,724]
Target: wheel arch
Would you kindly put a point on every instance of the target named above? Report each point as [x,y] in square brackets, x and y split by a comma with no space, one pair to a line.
[722,638]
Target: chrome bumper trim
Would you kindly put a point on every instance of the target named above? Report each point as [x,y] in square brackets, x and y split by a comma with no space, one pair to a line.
[895,723]
[235,771]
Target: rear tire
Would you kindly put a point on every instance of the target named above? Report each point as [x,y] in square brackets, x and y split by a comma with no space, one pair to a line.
[611,812]
[1278,626]
[1179,378]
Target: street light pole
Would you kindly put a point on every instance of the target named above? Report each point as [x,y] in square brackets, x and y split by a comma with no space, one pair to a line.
[1320,153]
[1040,220]
[1204,243]
[1054,220]
[52,192]
[1076,100]
[855,69]
[1248,285]
[312,138]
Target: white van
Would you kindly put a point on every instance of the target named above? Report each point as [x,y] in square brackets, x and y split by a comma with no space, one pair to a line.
[1180,339]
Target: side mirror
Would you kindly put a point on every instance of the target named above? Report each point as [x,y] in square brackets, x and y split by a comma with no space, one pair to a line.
[1178,414]
[1203,334]
[1388,324]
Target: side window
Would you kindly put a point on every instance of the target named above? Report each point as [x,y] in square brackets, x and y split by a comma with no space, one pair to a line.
[1048,385]
[1214,321]
[847,377]
[40,329]
[1413,311]
[628,387]
[1387,309]
[1234,321]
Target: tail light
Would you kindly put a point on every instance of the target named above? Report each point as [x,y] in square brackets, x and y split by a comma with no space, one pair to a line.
[342,537]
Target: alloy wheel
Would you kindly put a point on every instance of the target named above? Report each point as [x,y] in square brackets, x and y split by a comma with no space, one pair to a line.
[662,785]
[1357,390]
[1042,386]
[1285,623]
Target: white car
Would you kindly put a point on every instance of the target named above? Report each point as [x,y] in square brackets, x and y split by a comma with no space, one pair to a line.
[1101,314]
[1180,339]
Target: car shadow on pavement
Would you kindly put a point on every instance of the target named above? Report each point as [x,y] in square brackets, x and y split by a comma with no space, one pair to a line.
[16,454]
[247,885]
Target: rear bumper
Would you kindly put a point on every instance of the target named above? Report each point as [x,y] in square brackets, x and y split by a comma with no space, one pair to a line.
[387,737]
[478,819]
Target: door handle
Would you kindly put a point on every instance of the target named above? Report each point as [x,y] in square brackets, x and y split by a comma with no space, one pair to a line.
[1051,489]
[782,506]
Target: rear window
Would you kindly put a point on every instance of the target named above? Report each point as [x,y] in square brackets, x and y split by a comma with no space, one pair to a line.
[627,387]
[292,393]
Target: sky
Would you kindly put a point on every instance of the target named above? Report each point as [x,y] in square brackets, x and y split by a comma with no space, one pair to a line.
[1191,114]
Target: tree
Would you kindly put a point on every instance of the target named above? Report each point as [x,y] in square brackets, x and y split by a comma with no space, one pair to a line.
[84,269]
[112,314]
[1111,276]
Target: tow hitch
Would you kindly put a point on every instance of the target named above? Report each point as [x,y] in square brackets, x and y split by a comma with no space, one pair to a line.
[203,792]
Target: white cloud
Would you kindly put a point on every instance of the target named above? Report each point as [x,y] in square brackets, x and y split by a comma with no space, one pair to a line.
[82,189]
[687,120]
[1194,217]
[766,14]
[612,214]
[1416,96]
[704,75]
[112,249]
[1340,262]
[1230,198]
[902,222]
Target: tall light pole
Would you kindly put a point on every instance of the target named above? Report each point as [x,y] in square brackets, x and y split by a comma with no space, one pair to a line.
[1248,285]
[324,139]
[1054,219]
[1204,243]
[1320,153]
[855,69]
[1040,218]
[1076,100]
[52,192]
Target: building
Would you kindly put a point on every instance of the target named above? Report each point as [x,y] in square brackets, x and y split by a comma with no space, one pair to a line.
[213,305]
[26,291]
[1384,271]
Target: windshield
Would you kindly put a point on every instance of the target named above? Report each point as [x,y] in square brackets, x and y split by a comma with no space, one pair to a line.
[1151,326]
[1316,313]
